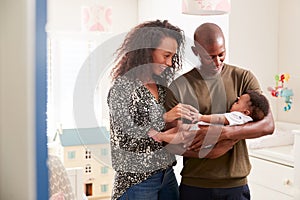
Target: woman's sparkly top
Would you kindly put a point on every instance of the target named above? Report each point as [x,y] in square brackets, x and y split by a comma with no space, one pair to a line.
[133,112]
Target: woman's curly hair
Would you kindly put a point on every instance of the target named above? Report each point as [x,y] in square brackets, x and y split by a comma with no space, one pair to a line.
[138,45]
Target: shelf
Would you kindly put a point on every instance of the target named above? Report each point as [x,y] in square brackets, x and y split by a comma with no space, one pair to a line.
[280,154]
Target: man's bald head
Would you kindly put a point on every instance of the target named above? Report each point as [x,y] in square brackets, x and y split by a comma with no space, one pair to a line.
[210,48]
[208,34]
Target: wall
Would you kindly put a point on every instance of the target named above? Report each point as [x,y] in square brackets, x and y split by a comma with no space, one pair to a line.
[264,37]
[253,40]
[17,165]
[289,43]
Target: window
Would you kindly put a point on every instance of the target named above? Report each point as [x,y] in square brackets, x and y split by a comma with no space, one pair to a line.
[88,154]
[104,151]
[104,188]
[65,59]
[104,170]
[71,155]
[88,169]
[68,55]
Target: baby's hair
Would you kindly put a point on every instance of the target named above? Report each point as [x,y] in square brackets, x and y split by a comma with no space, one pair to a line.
[259,105]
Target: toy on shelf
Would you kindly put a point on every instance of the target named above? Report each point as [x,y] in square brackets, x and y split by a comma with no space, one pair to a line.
[281,91]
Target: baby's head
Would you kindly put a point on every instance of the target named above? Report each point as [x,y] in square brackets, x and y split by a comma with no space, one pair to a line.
[253,104]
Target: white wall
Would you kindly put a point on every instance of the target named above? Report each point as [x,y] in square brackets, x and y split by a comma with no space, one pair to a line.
[17,165]
[253,40]
[289,43]
[264,37]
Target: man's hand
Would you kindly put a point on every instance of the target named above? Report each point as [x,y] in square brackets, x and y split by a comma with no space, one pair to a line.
[214,152]
[211,142]
[221,148]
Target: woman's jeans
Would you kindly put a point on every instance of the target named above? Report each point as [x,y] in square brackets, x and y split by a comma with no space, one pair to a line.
[160,186]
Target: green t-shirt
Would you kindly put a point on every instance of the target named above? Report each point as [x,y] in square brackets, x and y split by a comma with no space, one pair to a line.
[210,96]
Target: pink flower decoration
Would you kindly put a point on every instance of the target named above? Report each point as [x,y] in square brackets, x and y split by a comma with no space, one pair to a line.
[96,18]
[108,14]
[97,27]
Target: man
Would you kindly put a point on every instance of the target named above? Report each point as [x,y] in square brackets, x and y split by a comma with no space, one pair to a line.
[219,170]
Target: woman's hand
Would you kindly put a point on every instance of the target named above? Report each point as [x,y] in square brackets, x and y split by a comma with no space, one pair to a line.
[181,111]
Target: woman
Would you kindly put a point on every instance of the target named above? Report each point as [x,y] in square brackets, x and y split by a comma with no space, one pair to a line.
[146,62]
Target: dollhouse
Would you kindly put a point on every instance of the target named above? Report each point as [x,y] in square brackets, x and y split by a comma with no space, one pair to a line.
[88,149]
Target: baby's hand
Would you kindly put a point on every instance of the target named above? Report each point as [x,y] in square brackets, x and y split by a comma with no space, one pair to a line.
[196,118]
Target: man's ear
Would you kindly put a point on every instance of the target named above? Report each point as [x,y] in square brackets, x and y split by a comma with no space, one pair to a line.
[194,50]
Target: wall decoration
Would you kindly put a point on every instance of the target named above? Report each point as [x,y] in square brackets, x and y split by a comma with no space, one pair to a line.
[281,90]
[96,18]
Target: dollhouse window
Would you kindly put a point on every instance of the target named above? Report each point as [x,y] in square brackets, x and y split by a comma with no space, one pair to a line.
[71,155]
[104,170]
[104,188]
[88,154]
[104,151]
[88,169]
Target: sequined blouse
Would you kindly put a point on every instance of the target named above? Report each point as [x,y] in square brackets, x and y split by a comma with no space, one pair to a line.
[133,112]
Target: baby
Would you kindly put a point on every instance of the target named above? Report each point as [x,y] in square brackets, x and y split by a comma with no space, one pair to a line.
[251,106]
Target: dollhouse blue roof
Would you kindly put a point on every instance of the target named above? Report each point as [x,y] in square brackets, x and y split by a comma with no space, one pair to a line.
[84,136]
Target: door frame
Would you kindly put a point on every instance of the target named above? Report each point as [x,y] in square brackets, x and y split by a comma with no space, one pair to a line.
[42,178]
